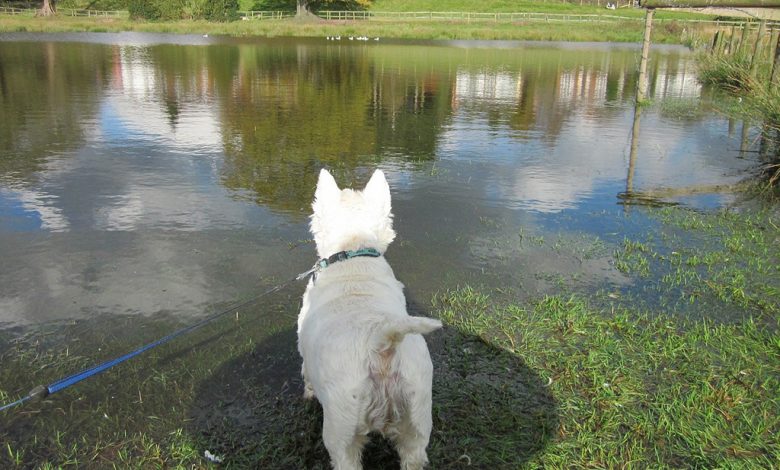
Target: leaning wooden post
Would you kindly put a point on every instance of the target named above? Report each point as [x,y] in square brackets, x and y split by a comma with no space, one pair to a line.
[641,92]
[744,39]
[757,49]
[731,40]
[714,49]
[633,149]
[773,33]
[775,81]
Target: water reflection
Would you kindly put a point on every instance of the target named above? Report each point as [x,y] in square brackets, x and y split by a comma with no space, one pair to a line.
[139,176]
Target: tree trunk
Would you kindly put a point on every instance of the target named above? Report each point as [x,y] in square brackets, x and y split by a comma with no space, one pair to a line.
[302,8]
[48,8]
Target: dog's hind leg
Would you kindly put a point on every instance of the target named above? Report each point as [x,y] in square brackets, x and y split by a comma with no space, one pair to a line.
[343,443]
[411,444]
[308,390]
[413,431]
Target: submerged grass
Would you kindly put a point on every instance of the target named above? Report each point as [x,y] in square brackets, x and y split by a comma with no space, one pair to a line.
[567,380]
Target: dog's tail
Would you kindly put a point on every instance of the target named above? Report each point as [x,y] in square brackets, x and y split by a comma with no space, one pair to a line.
[391,334]
[387,398]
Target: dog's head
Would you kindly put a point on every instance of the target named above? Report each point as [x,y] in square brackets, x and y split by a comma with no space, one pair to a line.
[345,219]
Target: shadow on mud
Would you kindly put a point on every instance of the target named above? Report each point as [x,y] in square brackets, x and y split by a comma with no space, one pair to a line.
[489,409]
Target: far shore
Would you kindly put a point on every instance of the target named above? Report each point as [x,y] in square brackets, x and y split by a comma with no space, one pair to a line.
[607,30]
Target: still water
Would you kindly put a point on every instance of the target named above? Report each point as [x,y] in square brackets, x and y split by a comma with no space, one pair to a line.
[144,174]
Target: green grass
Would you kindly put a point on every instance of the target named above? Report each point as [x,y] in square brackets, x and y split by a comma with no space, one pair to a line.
[514,6]
[628,31]
[564,380]
[487,6]
[756,99]
[635,390]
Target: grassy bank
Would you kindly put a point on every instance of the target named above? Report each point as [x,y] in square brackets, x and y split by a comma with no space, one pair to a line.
[633,390]
[753,100]
[680,371]
[730,66]
[628,30]
[568,380]
[733,74]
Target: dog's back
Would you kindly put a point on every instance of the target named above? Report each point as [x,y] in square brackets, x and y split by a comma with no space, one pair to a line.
[363,356]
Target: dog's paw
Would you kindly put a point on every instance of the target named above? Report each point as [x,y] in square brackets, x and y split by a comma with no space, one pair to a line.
[308,392]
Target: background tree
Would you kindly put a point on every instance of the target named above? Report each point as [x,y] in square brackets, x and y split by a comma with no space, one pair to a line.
[308,7]
[211,10]
[49,8]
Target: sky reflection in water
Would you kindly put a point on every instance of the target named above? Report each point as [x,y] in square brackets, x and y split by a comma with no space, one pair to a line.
[140,177]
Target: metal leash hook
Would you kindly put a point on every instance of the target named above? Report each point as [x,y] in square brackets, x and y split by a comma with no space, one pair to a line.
[38,393]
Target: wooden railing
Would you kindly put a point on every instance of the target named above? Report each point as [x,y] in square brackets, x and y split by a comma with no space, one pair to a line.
[506,17]
[266,15]
[414,16]
[16,11]
[67,12]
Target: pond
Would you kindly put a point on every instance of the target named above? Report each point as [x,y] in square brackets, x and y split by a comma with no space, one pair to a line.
[149,180]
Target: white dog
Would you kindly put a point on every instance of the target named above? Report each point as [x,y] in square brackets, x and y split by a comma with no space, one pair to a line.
[363,356]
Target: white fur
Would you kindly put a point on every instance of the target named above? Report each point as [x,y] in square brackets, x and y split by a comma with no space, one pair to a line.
[363,356]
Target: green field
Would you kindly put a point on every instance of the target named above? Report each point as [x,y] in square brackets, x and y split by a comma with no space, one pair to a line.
[669,28]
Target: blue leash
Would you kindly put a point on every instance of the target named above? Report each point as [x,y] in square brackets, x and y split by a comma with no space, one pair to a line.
[42,391]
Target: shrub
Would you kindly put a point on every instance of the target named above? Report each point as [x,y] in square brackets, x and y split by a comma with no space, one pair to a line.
[212,10]
[143,10]
[220,10]
[93,4]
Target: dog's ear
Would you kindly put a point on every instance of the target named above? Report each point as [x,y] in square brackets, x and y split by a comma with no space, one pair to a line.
[327,189]
[378,191]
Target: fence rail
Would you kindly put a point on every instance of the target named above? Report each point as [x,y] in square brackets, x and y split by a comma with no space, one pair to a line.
[467,16]
[67,12]
[266,15]
[15,11]
[511,17]
[418,16]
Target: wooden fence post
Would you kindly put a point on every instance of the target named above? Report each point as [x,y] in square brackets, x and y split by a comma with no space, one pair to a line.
[743,39]
[723,43]
[772,44]
[641,92]
[731,39]
[715,41]
[775,79]
[757,49]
